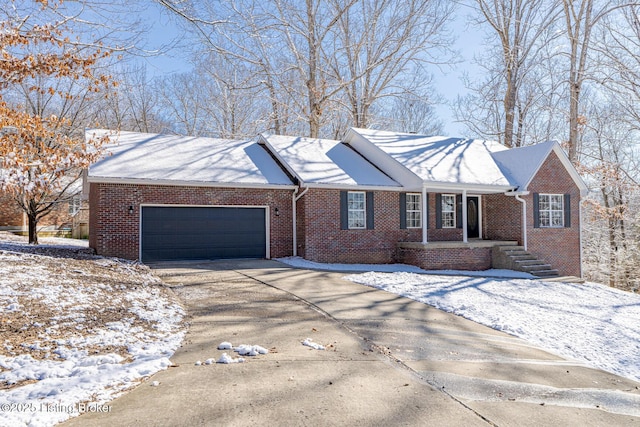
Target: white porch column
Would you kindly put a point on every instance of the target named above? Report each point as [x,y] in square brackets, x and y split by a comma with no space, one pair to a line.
[465,234]
[425,220]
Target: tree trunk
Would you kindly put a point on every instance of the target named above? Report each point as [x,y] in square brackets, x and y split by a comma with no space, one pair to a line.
[509,103]
[33,228]
[574,105]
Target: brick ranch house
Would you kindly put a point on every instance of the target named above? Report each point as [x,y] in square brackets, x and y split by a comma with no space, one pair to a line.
[373,197]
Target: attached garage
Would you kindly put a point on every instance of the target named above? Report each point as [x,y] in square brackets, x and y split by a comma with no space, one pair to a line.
[172,233]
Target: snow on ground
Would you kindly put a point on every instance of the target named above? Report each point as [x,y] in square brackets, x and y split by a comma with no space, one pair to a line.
[589,322]
[392,268]
[77,330]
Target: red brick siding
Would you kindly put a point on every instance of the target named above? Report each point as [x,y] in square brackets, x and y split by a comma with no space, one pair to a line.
[11,215]
[447,258]
[501,218]
[440,234]
[325,241]
[321,239]
[115,232]
[560,247]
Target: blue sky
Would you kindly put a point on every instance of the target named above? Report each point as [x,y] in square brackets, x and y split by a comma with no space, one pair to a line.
[447,79]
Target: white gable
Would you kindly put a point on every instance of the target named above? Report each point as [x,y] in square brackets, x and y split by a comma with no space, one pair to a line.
[436,160]
[171,158]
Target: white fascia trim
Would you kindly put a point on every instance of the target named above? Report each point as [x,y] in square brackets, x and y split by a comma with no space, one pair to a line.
[382,160]
[263,140]
[471,188]
[179,183]
[516,193]
[353,187]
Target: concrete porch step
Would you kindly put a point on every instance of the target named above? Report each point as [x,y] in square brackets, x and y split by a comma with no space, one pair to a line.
[522,257]
[517,258]
[511,248]
[528,262]
[567,279]
[545,273]
[536,267]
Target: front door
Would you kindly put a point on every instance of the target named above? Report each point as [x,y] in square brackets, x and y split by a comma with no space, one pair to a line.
[473,217]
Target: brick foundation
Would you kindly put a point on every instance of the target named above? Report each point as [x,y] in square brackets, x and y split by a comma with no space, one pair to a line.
[474,259]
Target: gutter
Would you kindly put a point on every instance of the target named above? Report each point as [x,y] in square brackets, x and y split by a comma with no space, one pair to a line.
[294,211]
[517,195]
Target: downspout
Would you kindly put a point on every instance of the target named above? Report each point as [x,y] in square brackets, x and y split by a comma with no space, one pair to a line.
[294,199]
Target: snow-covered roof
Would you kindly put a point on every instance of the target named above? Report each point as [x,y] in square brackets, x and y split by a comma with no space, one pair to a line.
[173,159]
[325,162]
[365,159]
[520,165]
[437,159]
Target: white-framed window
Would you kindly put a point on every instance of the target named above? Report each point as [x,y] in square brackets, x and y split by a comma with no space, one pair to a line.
[74,205]
[357,209]
[448,211]
[551,210]
[414,210]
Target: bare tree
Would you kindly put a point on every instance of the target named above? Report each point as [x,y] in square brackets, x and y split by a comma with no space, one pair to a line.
[311,56]
[383,41]
[519,30]
[609,163]
[621,36]
[581,18]
[412,115]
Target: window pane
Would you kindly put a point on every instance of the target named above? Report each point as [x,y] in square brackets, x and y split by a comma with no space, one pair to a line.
[448,211]
[448,203]
[544,219]
[414,208]
[544,202]
[551,209]
[356,200]
[356,219]
[356,209]
[556,203]
[448,220]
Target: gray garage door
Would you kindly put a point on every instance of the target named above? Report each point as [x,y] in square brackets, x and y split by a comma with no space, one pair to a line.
[185,233]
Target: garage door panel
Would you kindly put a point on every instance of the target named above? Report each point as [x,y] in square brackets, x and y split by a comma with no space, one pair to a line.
[181,233]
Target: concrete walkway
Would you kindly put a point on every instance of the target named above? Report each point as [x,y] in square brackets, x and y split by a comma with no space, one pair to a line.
[389,361]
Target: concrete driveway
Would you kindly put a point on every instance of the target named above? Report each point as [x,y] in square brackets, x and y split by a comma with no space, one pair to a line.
[389,361]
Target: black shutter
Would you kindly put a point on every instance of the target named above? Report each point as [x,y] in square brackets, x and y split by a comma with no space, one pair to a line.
[369,198]
[344,211]
[536,210]
[459,211]
[567,210]
[403,210]
[438,210]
